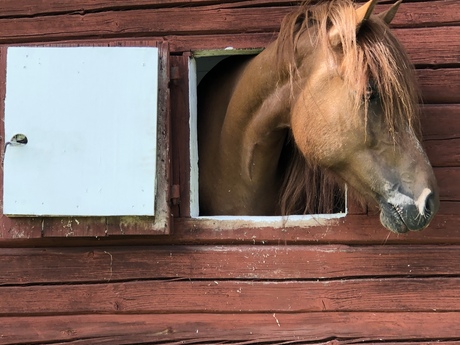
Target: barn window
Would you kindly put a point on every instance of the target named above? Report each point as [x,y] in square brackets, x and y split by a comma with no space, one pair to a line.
[89,114]
[86,134]
[201,63]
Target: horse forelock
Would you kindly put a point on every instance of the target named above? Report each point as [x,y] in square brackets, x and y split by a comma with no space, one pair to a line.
[388,68]
[368,54]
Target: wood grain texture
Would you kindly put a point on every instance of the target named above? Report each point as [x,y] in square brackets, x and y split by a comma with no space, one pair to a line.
[356,229]
[431,46]
[353,229]
[189,20]
[27,266]
[441,133]
[317,328]
[447,178]
[180,127]
[440,85]
[441,121]
[209,282]
[421,13]
[153,297]
[443,153]
[425,46]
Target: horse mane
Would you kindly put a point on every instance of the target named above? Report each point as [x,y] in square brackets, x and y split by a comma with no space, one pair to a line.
[371,55]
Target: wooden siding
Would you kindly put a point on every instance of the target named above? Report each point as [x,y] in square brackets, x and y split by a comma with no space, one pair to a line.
[75,281]
[215,294]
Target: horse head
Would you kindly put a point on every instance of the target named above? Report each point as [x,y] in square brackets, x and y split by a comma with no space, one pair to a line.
[355,113]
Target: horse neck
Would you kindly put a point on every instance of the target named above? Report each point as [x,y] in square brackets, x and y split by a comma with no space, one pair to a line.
[257,118]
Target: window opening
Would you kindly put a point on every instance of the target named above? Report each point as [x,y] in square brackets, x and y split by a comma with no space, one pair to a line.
[200,64]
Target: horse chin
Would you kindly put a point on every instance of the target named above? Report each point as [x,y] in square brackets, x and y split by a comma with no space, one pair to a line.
[391,219]
[401,219]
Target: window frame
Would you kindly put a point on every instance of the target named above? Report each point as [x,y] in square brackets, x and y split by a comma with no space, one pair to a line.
[160,223]
[230,222]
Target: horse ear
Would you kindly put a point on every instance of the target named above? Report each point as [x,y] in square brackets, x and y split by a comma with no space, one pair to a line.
[389,14]
[362,14]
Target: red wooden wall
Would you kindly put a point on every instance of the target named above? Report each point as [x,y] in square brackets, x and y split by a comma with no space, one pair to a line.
[67,281]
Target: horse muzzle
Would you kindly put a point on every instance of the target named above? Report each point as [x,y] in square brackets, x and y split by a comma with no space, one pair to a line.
[401,213]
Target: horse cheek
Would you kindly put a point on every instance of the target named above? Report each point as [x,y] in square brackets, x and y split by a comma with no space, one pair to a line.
[303,132]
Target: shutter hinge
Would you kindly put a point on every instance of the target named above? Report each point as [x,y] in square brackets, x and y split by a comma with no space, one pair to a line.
[175,194]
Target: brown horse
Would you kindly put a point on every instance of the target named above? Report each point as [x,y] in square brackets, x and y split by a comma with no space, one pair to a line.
[334,93]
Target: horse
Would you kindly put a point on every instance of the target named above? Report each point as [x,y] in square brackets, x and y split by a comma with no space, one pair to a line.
[333,100]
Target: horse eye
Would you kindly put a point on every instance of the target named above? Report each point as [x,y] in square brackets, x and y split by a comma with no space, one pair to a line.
[371,93]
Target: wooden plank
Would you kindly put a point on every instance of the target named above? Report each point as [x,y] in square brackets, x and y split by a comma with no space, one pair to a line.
[425,46]
[20,8]
[353,229]
[114,264]
[181,129]
[443,153]
[74,226]
[441,121]
[448,183]
[441,133]
[213,296]
[22,228]
[139,22]
[184,43]
[440,85]
[193,20]
[410,14]
[431,46]
[332,328]
[426,13]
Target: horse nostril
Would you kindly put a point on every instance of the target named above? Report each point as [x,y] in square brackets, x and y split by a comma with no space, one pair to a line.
[430,204]
[427,203]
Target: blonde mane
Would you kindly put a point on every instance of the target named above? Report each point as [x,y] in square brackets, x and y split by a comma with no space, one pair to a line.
[370,56]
